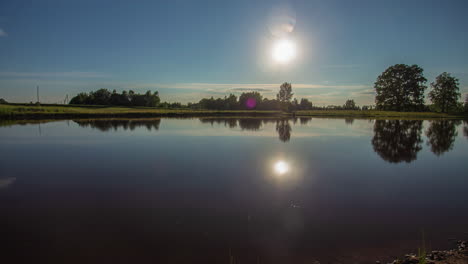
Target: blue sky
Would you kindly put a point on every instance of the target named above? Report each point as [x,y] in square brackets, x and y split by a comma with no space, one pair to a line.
[192,49]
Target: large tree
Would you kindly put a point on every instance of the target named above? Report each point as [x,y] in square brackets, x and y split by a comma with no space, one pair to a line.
[285,93]
[445,92]
[401,88]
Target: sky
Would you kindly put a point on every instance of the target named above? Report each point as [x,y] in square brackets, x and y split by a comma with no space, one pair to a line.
[188,50]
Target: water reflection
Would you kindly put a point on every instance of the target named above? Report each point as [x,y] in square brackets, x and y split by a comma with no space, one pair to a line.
[252,124]
[228,122]
[284,130]
[397,140]
[305,120]
[441,135]
[5,182]
[281,167]
[349,121]
[108,124]
[283,127]
[465,128]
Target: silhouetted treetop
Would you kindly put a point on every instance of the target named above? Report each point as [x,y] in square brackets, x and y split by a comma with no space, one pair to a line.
[104,97]
[400,87]
[445,92]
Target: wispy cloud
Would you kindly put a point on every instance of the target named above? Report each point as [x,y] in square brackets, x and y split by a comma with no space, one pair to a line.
[254,89]
[3,33]
[243,86]
[341,66]
[72,74]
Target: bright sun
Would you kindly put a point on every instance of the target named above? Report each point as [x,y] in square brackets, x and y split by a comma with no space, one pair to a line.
[284,51]
[281,167]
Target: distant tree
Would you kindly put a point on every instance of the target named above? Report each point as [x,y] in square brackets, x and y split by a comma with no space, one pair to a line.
[365,108]
[305,104]
[101,97]
[230,102]
[445,92]
[350,105]
[3,101]
[81,98]
[268,104]
[104,97]
[285,93]
[401,88]
[250,100]
[294,104]
[441,135]
[397,140]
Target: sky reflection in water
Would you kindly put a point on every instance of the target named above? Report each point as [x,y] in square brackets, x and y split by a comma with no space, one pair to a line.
[190,190]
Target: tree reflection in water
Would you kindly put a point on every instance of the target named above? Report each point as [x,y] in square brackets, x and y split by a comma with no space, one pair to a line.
[441,135]
[465,128]
[349,121]
[397,140]
[305,120]
[284,129]
[108,124]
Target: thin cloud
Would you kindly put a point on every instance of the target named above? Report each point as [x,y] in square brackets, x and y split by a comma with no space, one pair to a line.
[3,33]
[341,66]
[233,86]
[253,89]
[72,74]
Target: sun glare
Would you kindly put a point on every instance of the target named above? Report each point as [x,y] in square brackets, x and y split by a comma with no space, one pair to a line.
[284,51]
[281,167]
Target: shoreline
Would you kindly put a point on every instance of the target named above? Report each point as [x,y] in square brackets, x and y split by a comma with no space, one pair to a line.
[458,255]
[33,112]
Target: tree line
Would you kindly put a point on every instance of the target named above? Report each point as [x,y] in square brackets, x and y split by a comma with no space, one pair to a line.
[399,88]
[105,97]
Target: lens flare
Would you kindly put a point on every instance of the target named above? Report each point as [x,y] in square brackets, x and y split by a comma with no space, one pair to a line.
[251,103]
[281,21]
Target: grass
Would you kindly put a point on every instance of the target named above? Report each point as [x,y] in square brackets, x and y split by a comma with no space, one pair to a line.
[375,114]
[27,111]
[19,111]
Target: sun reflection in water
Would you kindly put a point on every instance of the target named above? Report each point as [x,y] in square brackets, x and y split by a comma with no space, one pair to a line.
[281,167]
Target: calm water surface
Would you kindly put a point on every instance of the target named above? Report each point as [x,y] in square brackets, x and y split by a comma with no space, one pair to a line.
[230,190]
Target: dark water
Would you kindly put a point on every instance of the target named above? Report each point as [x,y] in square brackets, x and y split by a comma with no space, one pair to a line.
[230,190]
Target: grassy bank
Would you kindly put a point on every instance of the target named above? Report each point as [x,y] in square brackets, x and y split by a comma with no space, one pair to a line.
[375,114]
[20,111]
[26,111]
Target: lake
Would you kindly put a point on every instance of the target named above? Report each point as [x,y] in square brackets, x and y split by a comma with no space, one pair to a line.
[229,190]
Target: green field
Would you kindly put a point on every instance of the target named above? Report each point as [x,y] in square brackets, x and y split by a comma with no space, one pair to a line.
[27,111]
[24,111]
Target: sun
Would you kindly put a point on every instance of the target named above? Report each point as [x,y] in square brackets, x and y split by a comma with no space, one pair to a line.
[284,51]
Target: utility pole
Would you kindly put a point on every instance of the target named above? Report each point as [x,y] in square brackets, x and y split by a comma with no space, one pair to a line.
[37,93]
